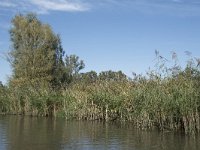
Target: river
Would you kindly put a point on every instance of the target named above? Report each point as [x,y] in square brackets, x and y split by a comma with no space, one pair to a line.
[34,133]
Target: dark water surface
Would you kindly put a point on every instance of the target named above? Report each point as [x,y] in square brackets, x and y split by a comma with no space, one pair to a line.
[31,133]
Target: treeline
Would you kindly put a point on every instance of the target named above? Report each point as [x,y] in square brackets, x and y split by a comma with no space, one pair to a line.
[46,82]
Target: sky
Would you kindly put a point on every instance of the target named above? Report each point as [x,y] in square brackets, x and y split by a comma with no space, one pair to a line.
[112,34]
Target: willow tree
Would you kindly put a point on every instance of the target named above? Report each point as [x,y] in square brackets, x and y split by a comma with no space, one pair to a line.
[36,55]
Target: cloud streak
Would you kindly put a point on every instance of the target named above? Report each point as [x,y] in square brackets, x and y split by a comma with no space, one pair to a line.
[59,5]
[169,7]
[45,6]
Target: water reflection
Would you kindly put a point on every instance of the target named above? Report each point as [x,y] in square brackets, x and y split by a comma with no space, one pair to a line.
[18,133]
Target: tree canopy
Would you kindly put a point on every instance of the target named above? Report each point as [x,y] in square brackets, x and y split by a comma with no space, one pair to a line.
[37,54]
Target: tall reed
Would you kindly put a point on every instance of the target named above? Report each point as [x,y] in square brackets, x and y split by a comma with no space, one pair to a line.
[167,98]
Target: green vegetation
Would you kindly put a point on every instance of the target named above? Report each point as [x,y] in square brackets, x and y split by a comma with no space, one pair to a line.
[46,82]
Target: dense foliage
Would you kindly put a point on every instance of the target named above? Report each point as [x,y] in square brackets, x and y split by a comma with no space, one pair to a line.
[45,82]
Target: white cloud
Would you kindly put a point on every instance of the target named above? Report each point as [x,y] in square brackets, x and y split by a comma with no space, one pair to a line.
[59,5]
[45,6]
[169,7]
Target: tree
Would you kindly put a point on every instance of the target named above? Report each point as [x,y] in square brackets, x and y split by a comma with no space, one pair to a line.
[1,84]
[36,55]
[4,102]
[89,77]
[72,67]
[112,76]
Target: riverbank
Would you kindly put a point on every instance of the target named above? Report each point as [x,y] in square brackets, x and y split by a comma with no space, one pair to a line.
[168,103]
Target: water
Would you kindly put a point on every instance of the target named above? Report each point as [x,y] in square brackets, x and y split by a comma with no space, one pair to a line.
[31,133]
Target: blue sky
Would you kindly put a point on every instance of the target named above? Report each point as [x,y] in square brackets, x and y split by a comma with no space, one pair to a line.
[112,34]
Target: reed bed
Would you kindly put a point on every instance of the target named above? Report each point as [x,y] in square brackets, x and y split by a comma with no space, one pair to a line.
[168,100]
